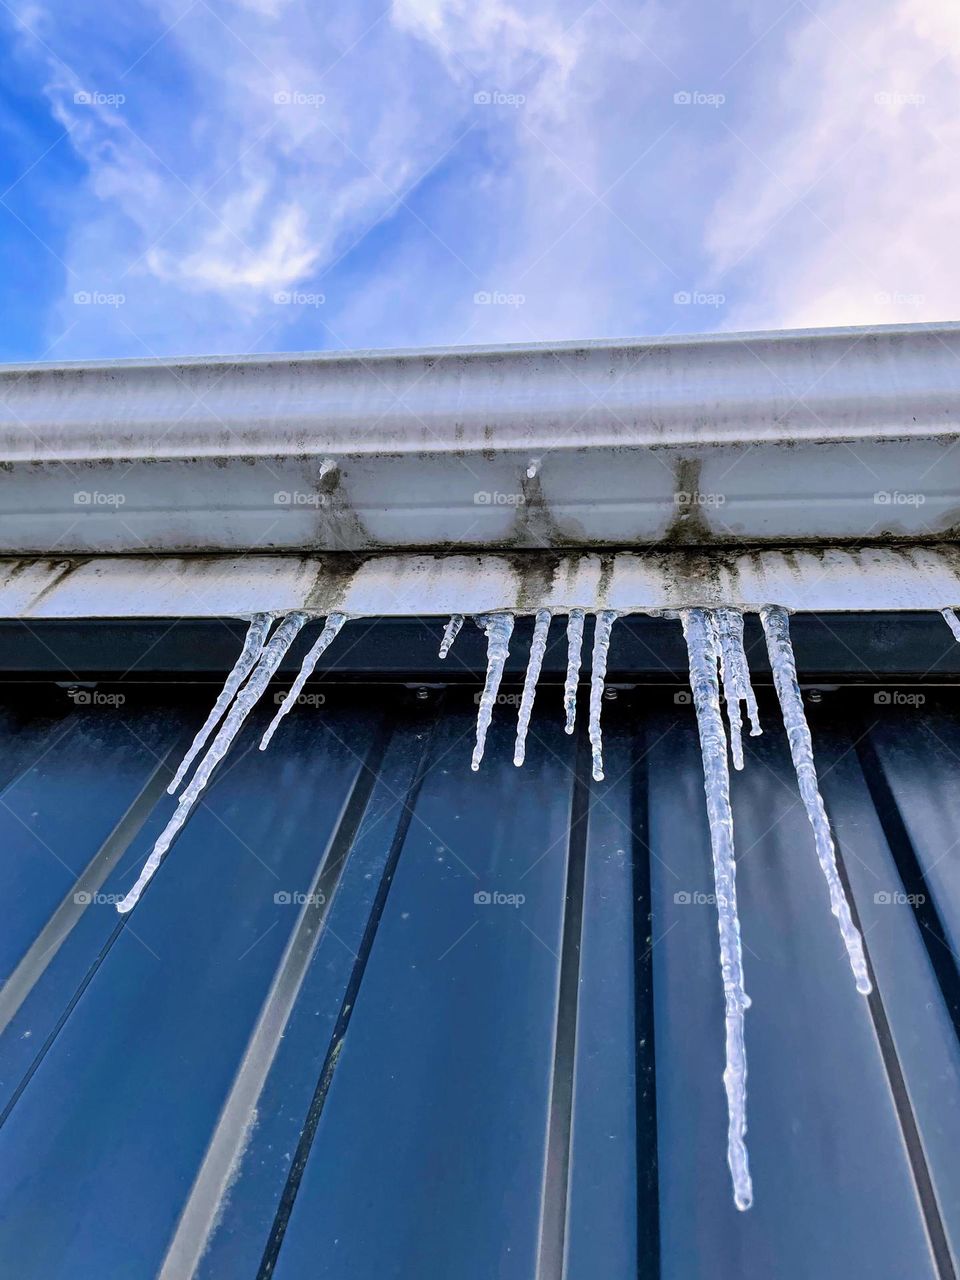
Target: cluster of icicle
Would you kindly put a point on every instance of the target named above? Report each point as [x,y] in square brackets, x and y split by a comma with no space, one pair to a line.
[717,663]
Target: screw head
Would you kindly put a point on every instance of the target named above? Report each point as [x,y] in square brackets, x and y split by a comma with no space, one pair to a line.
[423,694]
[609,695]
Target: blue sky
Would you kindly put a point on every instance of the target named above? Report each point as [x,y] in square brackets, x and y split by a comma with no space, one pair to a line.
[220,176]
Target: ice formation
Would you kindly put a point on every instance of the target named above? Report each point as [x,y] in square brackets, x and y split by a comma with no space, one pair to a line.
[598,672]
[450,633]
[735,674]
[498,628]
[574,649]
[252,646]
[702,650]
[538,647]
[247,698]
[776,627]
[330,631]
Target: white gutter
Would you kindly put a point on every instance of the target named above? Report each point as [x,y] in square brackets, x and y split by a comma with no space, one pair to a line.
[830,579]
[809,436]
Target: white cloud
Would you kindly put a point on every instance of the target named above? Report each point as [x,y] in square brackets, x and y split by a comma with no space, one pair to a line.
[844,204]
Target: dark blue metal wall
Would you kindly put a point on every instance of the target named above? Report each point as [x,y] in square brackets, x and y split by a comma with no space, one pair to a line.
[400,1077]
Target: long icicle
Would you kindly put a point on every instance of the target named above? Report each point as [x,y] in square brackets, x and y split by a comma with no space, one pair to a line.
[776,628]
[735,674]
[702,655]
[247,698]
[450,633]
[598,672]
[953,622]
[330,631]
[256,638]
[538,647]
[574,648]
[499,629]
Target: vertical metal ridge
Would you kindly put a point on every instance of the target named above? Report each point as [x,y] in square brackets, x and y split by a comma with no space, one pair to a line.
[922,901]
[909,1128]
[225,1148]
[556,1170]
[67,915]
[647,1158]
[312,1119]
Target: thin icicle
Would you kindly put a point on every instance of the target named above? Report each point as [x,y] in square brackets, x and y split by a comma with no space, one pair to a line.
[247,698]
[252,647]
[574,647]
[702,653]
[330,631]
[953,622]
[498,628]
[735,674]
[538,647]
[450,633]
[598,671]
[776,627]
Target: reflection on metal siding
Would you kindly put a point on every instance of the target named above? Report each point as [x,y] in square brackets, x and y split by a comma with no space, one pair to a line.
[379,1017]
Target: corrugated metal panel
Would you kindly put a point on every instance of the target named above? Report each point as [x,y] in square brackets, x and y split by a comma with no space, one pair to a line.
[397,1078]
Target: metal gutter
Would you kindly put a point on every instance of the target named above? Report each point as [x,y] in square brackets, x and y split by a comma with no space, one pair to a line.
[837,435]
[824,580]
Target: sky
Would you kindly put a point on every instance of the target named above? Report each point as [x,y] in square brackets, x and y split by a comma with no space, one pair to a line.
[193,177]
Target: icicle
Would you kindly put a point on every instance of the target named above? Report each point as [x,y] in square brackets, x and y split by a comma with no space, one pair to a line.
[574,646]
[252,646]
[735,674]
[450,633]
[331,629]
[953,622]
[247,698]
[598,671]
[498,628]
[776,627]
[538,647]
[702,654]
